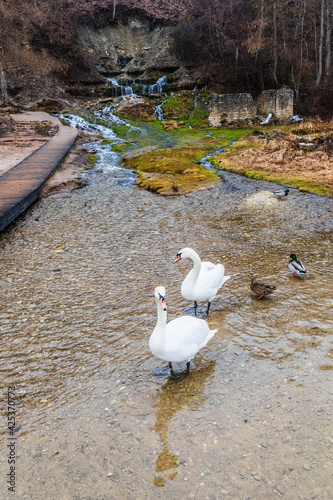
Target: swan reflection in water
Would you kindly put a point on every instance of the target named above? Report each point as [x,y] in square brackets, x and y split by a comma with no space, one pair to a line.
[187,395]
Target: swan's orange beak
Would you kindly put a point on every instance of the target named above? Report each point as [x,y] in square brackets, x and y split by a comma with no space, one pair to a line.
[163,303]
[177,258]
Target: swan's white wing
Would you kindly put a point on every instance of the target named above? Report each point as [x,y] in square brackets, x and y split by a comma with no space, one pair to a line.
[207,266]
[210,280]
[185,336]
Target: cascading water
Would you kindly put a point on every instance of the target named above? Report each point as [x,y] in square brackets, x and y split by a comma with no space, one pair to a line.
[158,86]
[127,91]
[120,90]
[108,161]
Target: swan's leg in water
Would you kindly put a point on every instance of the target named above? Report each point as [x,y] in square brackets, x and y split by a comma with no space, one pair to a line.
[162,372]
[181,376]
[191,310]
[204,314]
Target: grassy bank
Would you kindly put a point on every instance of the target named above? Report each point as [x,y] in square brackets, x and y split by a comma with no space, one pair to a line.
[168,161]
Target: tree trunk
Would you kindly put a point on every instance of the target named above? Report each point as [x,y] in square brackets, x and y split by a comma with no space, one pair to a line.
[260,31]
[328,41]
[114,9]
[3,85]
[321,43]
[275,56]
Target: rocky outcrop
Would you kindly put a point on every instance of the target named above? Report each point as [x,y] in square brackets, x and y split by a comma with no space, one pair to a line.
[136,109]
[132,50]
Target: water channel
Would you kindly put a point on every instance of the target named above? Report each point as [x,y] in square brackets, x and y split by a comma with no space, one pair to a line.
[253,420]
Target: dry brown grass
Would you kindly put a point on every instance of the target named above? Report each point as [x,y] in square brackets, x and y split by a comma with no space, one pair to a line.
[283,160]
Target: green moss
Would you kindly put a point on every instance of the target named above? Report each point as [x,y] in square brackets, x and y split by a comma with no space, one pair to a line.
[301,184]
[89,119]
[121,146]
[103,123]
[92,158]
[182,108]
[177,107]
[172,171]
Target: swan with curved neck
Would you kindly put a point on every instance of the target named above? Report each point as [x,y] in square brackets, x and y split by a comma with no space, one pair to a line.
[180,339]
[203,281]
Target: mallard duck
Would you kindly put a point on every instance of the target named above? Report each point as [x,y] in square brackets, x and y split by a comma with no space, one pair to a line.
[180,339]
[296,267]
[261,289]
[281,194]
[203,281]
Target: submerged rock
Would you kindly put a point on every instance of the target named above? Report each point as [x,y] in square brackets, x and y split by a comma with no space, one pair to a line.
[262,199]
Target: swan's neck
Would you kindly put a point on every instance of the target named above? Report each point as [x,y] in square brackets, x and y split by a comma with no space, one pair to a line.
[161,320]
[194,273]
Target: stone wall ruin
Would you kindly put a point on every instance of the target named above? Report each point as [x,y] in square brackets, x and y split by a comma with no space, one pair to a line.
[227,108]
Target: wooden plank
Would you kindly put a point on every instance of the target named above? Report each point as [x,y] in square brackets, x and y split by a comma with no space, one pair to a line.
[20,186]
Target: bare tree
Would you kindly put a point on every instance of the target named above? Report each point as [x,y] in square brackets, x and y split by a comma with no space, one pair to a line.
[321,43]
[3,85]
[328,41]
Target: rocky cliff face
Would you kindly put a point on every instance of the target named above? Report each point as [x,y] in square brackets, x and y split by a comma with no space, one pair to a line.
[131,48]
[74,52]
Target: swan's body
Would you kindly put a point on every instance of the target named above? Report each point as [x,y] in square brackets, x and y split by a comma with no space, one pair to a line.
[203,281]
[179,340]
[296,267]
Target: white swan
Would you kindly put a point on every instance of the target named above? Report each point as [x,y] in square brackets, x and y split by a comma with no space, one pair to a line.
[180,339]
[203,281]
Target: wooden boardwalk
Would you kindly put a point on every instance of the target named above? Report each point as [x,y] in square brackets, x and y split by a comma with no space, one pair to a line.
[20,186]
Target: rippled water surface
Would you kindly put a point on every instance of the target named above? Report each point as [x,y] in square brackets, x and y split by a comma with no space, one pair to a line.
[253,420]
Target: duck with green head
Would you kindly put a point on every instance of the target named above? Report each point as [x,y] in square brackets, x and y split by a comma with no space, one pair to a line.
[283,193]
[296,267]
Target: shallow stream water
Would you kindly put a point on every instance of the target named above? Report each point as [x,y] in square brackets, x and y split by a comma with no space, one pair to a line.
[253,420]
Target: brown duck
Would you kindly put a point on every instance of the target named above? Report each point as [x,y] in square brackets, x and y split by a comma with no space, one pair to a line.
[261,289]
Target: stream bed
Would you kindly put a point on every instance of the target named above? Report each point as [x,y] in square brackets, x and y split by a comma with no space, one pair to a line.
[253,420]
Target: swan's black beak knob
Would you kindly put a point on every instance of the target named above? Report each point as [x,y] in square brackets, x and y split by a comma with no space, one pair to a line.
[163,302]
[179,256]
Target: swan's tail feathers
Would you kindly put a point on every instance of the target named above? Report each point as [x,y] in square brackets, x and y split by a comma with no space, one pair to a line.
[226,278]
[211,334]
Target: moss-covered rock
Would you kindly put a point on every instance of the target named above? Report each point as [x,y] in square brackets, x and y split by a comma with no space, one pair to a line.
[172,171]
[136,109]
[184,107]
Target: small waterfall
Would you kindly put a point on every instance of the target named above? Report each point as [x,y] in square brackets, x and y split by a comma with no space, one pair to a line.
[158,86]
[120,90]
[159,112]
